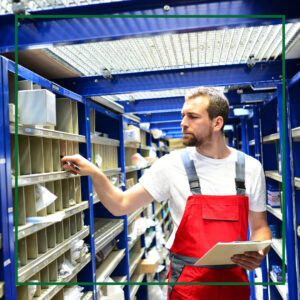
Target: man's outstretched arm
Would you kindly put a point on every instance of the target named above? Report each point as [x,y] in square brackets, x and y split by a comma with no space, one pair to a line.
[115,200]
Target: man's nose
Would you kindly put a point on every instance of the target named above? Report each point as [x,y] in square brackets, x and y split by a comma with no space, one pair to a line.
[183,122]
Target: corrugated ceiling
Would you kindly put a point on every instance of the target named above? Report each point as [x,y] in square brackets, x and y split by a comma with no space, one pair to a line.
[186,50]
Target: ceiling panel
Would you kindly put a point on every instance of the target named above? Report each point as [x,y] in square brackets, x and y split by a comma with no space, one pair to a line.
[186,50]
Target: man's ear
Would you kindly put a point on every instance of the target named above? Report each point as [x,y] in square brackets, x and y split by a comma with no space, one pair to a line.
[218,123]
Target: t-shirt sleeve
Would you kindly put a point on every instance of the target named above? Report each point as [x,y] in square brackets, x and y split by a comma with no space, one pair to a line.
[257,194]
[155,179]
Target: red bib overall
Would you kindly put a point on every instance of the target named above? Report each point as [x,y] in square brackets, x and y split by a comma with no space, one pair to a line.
[206,221]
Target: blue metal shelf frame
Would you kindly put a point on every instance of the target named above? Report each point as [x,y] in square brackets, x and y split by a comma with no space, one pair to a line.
[238,74]
[7,255]
[287,157]
[88,274]
[73,31]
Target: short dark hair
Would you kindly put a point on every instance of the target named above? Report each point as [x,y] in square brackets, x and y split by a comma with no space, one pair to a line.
[218,103]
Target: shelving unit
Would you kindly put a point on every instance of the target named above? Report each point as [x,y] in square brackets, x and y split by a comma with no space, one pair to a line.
[270,132]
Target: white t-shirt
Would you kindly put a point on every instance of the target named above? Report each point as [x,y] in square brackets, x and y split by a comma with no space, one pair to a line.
[167,179]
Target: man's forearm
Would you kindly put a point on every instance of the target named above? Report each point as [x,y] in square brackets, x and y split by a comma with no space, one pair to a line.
[262,234]
[110,196]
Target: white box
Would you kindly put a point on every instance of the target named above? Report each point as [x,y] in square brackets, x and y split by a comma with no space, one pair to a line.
[37,107]
[131,136]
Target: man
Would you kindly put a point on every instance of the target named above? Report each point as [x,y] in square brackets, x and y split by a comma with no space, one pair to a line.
[214,192]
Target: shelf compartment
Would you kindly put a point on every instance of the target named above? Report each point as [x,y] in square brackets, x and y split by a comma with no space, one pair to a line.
[134,288]
[43,260]
[37,155]
[296,134]
[30,228]
[106,230]
[48,155]
[41,178]
[109,265]
[274,175]
[134,260]
[47,133]
[25,155]
[133,215]
[104,141]
[54,289]
[275,211]
[64,120]
[281,288]
[271,138]
[277,246]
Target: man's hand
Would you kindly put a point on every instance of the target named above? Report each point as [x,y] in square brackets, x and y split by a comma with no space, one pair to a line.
[85,166]
[249,260]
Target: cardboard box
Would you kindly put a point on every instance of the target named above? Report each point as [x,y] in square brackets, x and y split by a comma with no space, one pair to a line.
[37,107]
[149,265]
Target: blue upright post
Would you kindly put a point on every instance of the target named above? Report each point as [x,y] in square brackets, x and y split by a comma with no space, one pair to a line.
[7,273]
[88,274]
[245,150]
[244,135]
[288,220]
[230,138]
[258,156]
[235,139]
[121,160]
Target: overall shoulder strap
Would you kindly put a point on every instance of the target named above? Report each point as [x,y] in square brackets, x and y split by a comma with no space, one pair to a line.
[240,174]
[191,173]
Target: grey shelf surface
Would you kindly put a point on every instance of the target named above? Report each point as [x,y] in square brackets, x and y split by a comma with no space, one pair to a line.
[54,289]
[134,145]
[35,265]
[132,243]
[120,279]
[24,180]
[133,168]
[106,230]
[87,296]
[47,133]
[274,175]
[143,147]
[271,138]
[134,260]
[281,288]
[112,172]
[133,215]
[152,236]
[134,288]
[104,141]
[296,134]
[277,246]
[297,182]
[275,211]
[158,210]
[30,228]
[1,289]
[252,143]
[109,265]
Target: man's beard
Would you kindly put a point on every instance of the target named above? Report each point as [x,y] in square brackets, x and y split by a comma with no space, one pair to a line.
[191,140]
